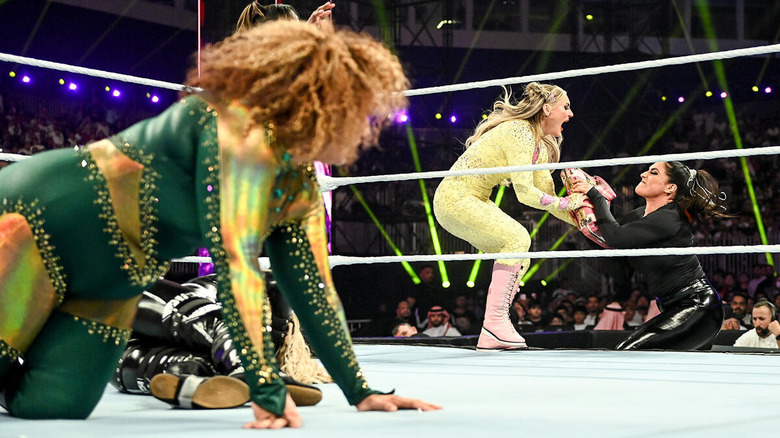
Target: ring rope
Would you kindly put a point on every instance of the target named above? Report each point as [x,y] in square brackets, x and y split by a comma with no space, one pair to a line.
[96,73]
[630,66]
[328,183]
[336,260]
[12,157]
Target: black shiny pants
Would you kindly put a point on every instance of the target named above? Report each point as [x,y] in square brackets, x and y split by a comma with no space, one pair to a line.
[689,320]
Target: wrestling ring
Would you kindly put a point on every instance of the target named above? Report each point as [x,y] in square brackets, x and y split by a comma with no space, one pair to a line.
[549,391]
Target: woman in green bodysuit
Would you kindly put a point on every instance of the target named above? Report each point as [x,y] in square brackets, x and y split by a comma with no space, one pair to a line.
[83,232]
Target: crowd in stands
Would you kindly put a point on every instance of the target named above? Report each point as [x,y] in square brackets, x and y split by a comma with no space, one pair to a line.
[25,133]
[430,311]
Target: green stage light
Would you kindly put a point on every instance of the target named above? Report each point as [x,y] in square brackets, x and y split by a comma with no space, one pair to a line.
[558,270]
[428,210]
[474,272]
[720,73]
[406,265]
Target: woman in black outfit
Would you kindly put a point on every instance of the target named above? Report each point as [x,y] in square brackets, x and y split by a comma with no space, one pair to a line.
[691,312]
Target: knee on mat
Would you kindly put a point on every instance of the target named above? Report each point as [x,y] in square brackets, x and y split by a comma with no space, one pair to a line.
[71,408]
[44,395]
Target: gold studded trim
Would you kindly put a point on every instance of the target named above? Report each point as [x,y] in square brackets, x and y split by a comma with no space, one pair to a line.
[33,212]
[324,298]
[110,335]
[152,268]
[8,352]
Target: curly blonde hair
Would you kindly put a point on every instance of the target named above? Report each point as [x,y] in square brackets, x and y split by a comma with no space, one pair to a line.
[528,108]
[317,86]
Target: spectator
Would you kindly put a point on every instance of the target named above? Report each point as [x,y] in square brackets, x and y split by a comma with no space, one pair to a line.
[405,330]
[767,285]
[579,318]
[535,315]
[465,326]
[564,311]
[557,324]
[729,286]
[632,318]
[594,309]
[758,277]
[385,326]
[439,323]
[766,333]
[464,310]
[739,308]
[642,306]
[425,295]
[519,316]
[563,290]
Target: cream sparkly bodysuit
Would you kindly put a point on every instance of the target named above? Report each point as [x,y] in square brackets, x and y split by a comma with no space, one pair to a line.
[462,203]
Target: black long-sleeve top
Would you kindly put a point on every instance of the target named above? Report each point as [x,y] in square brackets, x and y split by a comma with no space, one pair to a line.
[663,228]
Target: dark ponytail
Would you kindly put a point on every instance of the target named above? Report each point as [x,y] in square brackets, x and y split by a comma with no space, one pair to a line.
[697,191]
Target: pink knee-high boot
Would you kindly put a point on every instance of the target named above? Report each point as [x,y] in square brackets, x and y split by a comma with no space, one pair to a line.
[497,331]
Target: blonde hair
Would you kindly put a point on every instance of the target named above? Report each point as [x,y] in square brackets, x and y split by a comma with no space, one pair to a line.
[315,86]
[528,108]
[294,357]
[255,13]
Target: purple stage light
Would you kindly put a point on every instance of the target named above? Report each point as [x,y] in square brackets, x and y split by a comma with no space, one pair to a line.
[453,119]
[402,118]
[116,93]
[155,99]
[768,90]
[681,99]
[26,79]
[72,86]
[723,95]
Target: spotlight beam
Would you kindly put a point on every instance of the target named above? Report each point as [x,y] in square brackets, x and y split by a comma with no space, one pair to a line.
[406,265]
[105,33]
[35,28]
[720,73]
[427,204]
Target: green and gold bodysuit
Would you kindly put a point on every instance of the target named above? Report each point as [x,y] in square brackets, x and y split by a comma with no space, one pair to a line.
[84,231]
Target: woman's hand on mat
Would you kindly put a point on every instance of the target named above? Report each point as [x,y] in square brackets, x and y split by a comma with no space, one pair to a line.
[390,402]
[267,420]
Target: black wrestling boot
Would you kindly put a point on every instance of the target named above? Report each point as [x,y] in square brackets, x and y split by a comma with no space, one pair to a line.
[218,393]
[189,317]
[140,363]
[206,329]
